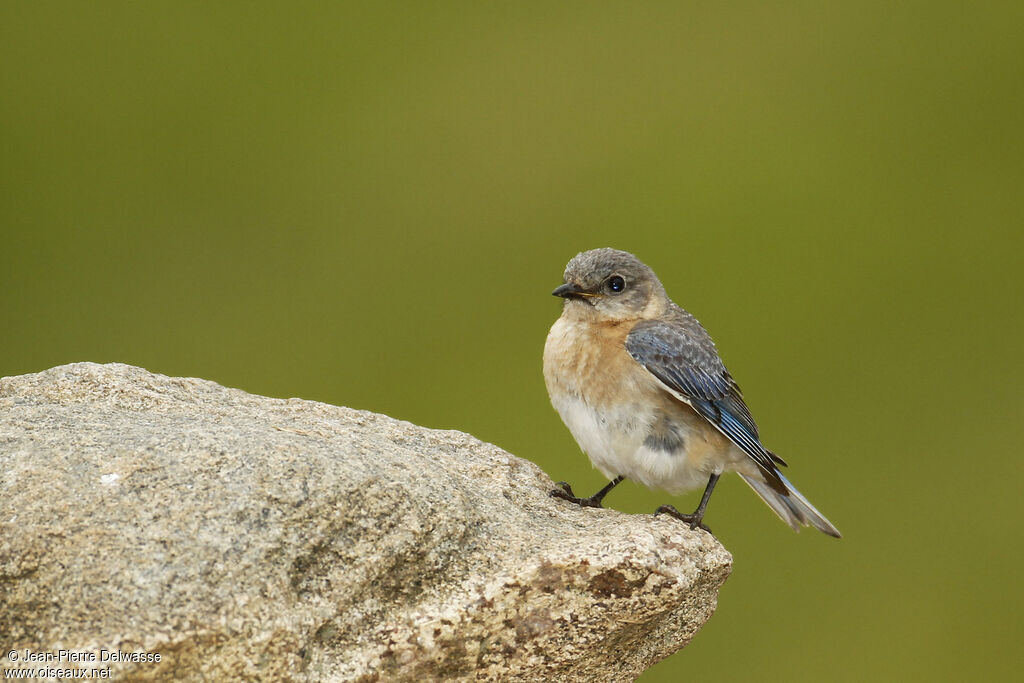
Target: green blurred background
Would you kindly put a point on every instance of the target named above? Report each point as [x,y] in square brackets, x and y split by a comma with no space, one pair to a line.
[369,204]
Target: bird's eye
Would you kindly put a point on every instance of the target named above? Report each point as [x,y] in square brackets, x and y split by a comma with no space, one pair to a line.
[616,284]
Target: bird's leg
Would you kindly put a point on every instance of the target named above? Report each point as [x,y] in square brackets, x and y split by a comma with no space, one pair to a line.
[696,518]
[565,493]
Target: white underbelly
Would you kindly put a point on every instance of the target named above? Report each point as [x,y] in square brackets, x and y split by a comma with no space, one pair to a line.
[614,442]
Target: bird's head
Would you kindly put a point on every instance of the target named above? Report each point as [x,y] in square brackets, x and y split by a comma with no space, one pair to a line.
[611,285]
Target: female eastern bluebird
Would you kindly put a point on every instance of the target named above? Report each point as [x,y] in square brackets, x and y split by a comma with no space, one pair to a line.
[641,387]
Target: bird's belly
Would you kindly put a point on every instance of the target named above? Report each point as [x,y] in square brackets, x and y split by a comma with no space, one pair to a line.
[622,418]
[619,441]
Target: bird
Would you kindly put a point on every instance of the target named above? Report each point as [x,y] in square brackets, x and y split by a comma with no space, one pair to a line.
[641,387]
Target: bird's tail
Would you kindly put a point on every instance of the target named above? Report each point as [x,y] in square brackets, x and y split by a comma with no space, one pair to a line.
[794,509]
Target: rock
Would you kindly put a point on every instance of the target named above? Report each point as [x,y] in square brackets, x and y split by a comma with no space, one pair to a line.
[242,537]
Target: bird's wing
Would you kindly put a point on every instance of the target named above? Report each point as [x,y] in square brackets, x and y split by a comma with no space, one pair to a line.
[682,357]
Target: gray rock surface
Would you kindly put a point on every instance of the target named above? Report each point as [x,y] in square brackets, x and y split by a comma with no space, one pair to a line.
[244,537]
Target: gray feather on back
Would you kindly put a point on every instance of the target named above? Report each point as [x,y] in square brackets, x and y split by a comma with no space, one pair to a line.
[680,353]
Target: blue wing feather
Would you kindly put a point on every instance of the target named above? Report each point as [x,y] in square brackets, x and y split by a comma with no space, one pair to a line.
[682,356]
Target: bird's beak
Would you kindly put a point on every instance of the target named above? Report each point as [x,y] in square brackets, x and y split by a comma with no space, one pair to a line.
[571,290]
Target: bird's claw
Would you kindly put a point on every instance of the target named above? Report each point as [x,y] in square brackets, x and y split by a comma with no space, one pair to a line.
[693,520]
[564,488]
[564,491]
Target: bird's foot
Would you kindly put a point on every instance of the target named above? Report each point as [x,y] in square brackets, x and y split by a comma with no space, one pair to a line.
[564,491]
[694,520]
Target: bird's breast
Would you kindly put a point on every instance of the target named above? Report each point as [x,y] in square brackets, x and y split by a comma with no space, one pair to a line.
[620,414]
[606,398]
[589,361]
